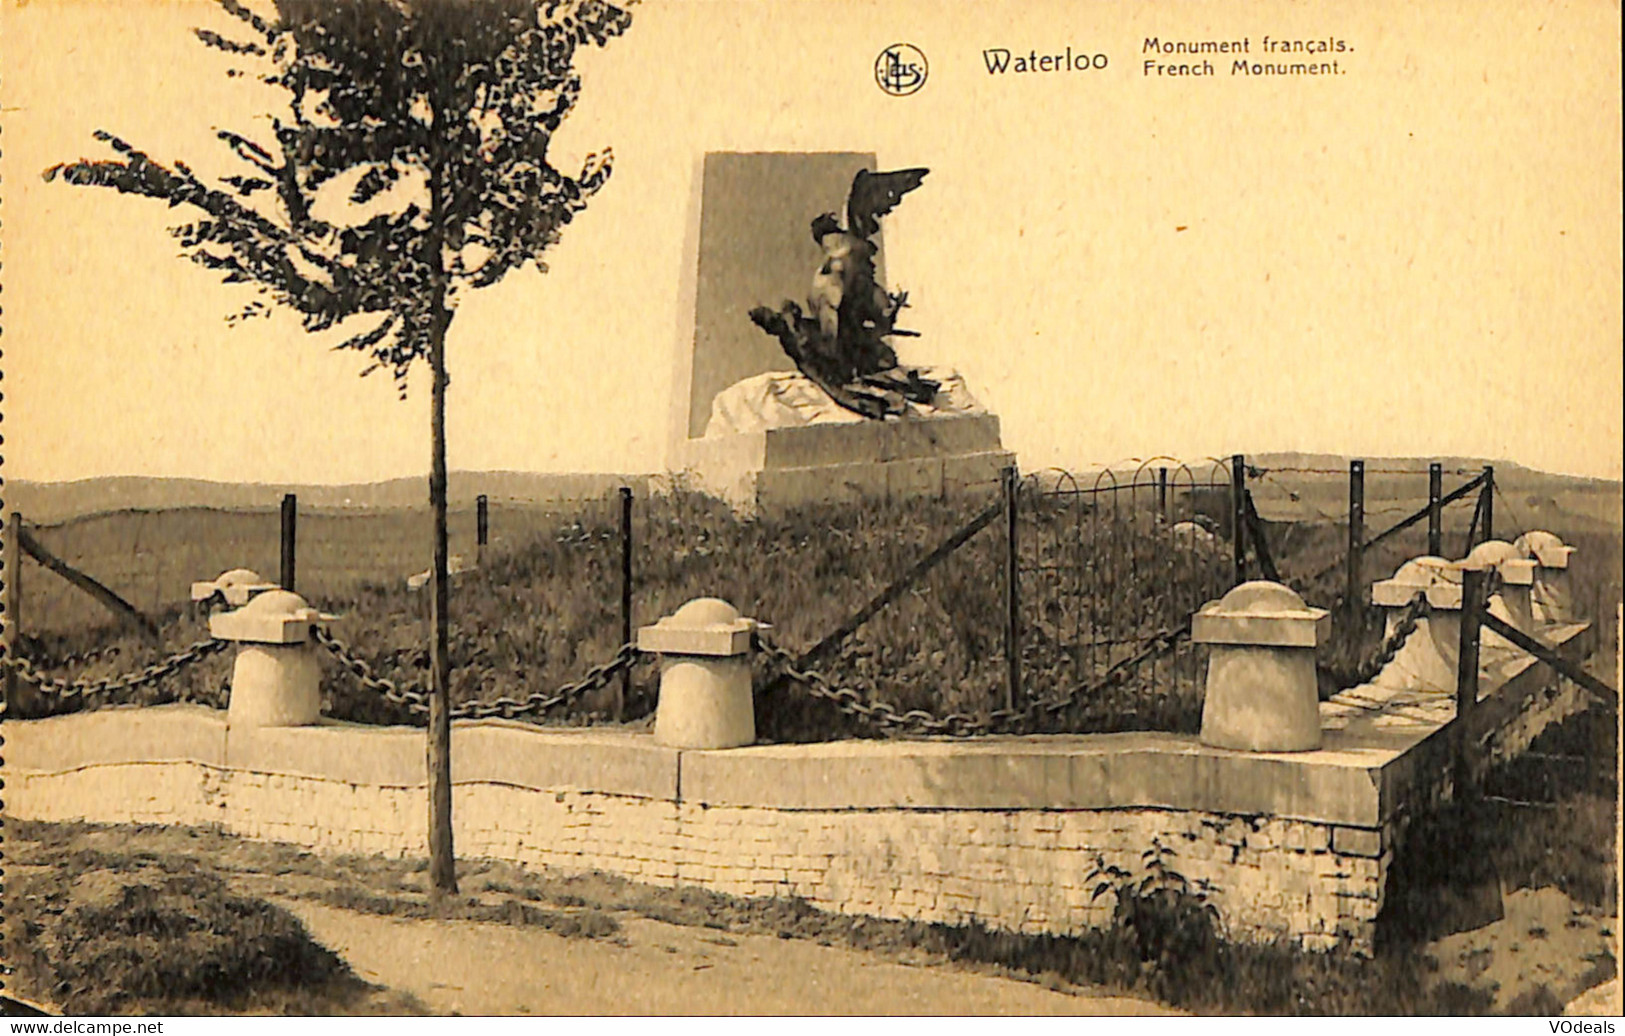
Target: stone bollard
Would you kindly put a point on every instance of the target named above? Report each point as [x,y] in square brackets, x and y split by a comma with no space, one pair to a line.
[1262,694]
[276,681]
[1512,603]
[234,588]
[705,690]
[1551,600]
[1428,658]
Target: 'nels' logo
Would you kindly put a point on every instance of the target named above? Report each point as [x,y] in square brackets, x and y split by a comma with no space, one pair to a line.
[901,69]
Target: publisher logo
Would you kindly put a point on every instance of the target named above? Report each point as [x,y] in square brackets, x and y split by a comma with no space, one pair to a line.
[901,69]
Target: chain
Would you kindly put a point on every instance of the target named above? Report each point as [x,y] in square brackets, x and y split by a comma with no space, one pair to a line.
[1412,614]
[880,714]
[1115,674]
[416,699]
[64,690]
[83,658]
[597,678]
[885,716]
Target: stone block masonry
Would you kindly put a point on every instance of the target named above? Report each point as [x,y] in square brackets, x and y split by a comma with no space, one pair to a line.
[1005,831]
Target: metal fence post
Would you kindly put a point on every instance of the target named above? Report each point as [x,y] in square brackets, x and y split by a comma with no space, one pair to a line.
[1356,557]
[1435,512]
[1238,515]
[1472,526]
[290,536]
[1473,584]
[623,689]
[12,600]
[482,528]
[1261,542]
[1012,592]
[1489,502]
[1162,493]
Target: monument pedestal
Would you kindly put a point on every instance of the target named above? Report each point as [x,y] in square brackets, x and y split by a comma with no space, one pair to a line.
[780,468]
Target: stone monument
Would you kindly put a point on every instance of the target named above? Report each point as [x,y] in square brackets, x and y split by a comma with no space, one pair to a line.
[811,404]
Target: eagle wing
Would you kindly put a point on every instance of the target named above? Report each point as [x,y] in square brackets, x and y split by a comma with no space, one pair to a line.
[875,194]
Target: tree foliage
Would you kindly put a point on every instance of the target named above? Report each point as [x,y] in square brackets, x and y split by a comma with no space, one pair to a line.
[411,160]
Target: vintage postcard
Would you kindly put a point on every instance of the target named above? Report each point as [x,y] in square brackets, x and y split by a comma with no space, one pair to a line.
[569,507]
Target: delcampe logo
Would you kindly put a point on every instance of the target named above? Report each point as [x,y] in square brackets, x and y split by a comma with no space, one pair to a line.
[901,69]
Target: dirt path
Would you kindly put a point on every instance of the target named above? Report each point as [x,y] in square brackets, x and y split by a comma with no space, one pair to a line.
[1543,939]
[476,968]
[525,942]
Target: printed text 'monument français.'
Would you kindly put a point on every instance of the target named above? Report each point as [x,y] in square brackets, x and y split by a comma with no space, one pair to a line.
[1268,46]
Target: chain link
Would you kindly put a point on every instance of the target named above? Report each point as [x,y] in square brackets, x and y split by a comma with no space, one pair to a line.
[416,699]
[65,690]
[1160,642]
[880,714]
[82,658]
[957,724]
[532,707]
[1412,614]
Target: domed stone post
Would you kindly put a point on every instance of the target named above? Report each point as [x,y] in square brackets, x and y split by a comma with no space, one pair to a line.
[1511,603]
[276,681]
[1551,600]
[1261,688]
[705,690]
[233,588]
[1428,659]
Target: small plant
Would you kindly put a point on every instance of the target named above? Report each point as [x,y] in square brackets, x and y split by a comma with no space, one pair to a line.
[1165,921]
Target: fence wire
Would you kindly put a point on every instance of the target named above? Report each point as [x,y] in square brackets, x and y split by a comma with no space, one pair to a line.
[1110,562]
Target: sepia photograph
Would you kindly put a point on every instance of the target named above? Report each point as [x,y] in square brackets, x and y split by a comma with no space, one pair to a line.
[809,508]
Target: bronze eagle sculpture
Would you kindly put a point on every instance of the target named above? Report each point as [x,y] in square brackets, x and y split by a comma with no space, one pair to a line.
[840,344]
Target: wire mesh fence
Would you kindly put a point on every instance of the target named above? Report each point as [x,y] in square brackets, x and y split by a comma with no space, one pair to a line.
[1110,561]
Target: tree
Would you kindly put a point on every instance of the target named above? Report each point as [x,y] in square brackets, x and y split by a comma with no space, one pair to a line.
[427,123]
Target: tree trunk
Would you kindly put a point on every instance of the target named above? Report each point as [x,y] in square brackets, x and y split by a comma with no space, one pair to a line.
[442,859]
[442,862]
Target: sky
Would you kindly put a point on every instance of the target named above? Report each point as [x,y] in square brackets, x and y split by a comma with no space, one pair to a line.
[1420,256]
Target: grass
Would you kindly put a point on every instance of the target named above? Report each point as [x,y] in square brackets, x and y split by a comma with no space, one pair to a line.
[592,924]
[154,926]
[1095,582]
[545,607]
[1546,820]
[100,933]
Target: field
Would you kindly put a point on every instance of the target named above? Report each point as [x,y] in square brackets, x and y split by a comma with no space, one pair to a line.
[545,606]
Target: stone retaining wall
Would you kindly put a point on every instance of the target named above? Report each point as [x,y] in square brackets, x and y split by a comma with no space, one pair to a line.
[1003,831]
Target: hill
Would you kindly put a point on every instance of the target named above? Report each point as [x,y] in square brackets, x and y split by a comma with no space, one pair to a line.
[49,503]
[1314,487]
[1285,486]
